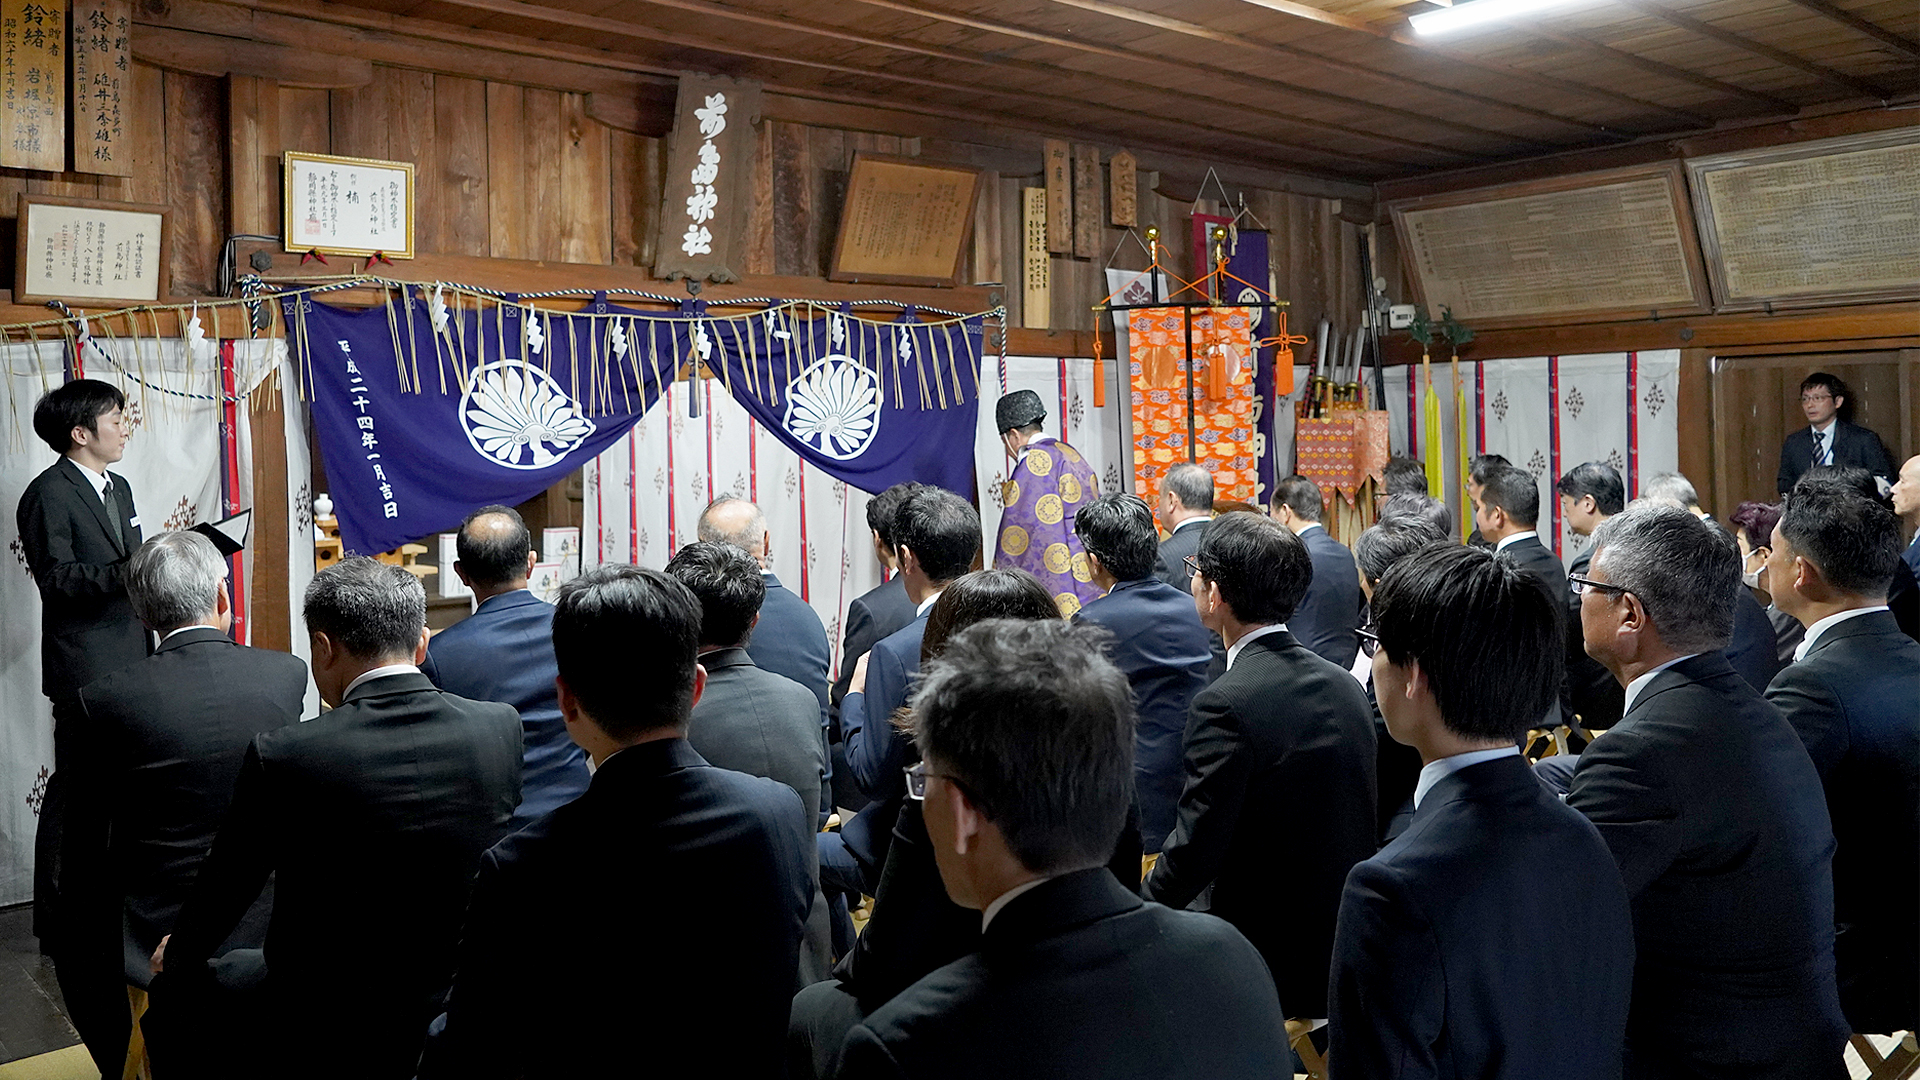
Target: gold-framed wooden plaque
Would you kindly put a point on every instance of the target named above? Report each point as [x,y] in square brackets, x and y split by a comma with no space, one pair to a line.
[348,206]
[90,250]
[905,222]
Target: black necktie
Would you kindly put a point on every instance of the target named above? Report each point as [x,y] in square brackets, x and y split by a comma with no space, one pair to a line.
[1819,452]
[115,512]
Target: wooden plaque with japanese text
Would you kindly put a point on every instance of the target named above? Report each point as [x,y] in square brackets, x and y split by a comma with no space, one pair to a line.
[101,47]
[90,250]
[905,222]
[33,85]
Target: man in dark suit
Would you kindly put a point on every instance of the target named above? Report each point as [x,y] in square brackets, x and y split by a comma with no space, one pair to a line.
[873,615]
[504,652]
[1828,438]
[1279,796]
[1478,470]
[1853,694]
[371,819]
[1752,650]
[165,737]
[1906,504]
[938,538]
[1431,973]
[1714,814]
[1021,829]
[1590,493]
[1185,508]
[1333,608]
[749,720]
[792,641]
[1158,644]
[524,1004]
[77,525]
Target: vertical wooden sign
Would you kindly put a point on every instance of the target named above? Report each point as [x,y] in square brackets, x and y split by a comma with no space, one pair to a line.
[1086,201]
[1059,174]
[707,206]
[1122,193]
[33,84]
[101,54]
[1036,286]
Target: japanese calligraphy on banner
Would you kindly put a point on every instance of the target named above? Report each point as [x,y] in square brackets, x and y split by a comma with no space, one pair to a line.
[707,198]
[348,206]
[101,51]
[33,85]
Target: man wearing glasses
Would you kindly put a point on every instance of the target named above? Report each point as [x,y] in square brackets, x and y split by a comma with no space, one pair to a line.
[1828,438]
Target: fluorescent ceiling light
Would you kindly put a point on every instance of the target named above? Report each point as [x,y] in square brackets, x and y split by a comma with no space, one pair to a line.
[1461,16]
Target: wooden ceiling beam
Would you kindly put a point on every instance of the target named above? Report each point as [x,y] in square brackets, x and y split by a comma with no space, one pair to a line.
[642,32]
[1881,34]
[1779,56]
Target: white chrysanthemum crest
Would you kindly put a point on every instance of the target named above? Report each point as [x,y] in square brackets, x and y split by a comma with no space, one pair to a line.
[834,407]
[516,415]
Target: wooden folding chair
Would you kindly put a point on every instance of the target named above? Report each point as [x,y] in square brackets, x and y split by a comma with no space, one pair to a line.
[1901,1062]
[1299,1036]
[137,1067]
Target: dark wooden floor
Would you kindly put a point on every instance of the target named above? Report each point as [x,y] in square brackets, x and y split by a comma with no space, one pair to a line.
[33,1019]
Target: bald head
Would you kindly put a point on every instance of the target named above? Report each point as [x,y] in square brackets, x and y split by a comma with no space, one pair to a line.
[495,551]
[729,520]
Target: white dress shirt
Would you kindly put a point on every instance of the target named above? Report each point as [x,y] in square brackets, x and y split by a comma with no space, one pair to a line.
[1257,632]
[193,626]
[927,604]
[1005,898]
[1813,632]
[1435,771]
[1508,541]
[1640,683]
[97,479]
[1202,519]
[378,673]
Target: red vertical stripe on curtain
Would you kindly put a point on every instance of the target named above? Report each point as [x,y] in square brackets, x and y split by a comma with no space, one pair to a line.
[806,569]
[1553,454]
[1633,425]
[230,483]
[673,526]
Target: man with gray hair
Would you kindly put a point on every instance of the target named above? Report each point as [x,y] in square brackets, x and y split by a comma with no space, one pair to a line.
[163,738]
[371,820]
[1185,508]
[1714,813]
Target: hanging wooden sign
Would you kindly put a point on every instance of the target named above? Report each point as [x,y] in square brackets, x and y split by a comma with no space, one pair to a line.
[87,249]
[101,53]
[707,204]
[1059,180]
[905,222]
[33,85]
[348,206]
[1122,194]
[1086,201]
[1036,293]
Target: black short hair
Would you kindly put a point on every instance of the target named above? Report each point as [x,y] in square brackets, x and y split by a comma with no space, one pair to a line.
[1007,593]
[1853,476]
[1300,495]
[1514,491]
[373,610]
[1404,476]
[1376,549]
[729,586]
[494,558]
[1853,539]
[943,530]
[1031,721]
[1119,530]
[1420,507]
[1755,521]
[627,640]
[1192,484]
[1485,465]
[882,508]
[1485,636]
[1598,479]
[1262,569]
[77,403]
[1835,386]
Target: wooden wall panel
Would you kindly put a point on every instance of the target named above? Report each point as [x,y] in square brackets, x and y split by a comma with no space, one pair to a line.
[793,217]
[584,229]
[542,179]
[306,120]
[506,165]
[196,168]
[361,124]
[410,119]
[634,184]
[459,203]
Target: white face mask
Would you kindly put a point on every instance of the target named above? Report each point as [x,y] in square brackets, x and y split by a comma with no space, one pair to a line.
[1752,578]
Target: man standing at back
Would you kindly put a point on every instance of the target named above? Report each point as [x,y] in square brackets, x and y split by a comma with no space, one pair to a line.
[1280,783]
[1714,814]
[1853,694]
[1186,506]
[1830,438]
[504,652]
[1333,608]
[1432,971]
[612,1003]
[1590,493]
[165,737]
[1050,482]
[1157,643]
[371,819]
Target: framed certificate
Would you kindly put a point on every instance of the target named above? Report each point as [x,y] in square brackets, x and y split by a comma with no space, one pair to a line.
[348,206]
[905,222]
[89,249]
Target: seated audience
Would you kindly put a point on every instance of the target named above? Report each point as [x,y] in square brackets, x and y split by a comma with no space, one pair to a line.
[527,1005]
[915,927]
[1186,505]
[872,615]
[370,819]
[749,720]
[1021,828]
[164,740]
[1753,524]
[1418,505]
[938,537]
[1714,813]
[1332,609]
[1853,694]
[1507,511]
[1157,643]
[1903,593]
[1439,966]
[1676,490]
[504,652]
[1404,476]
[1279,796]
[1590,493]
[1396,765]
